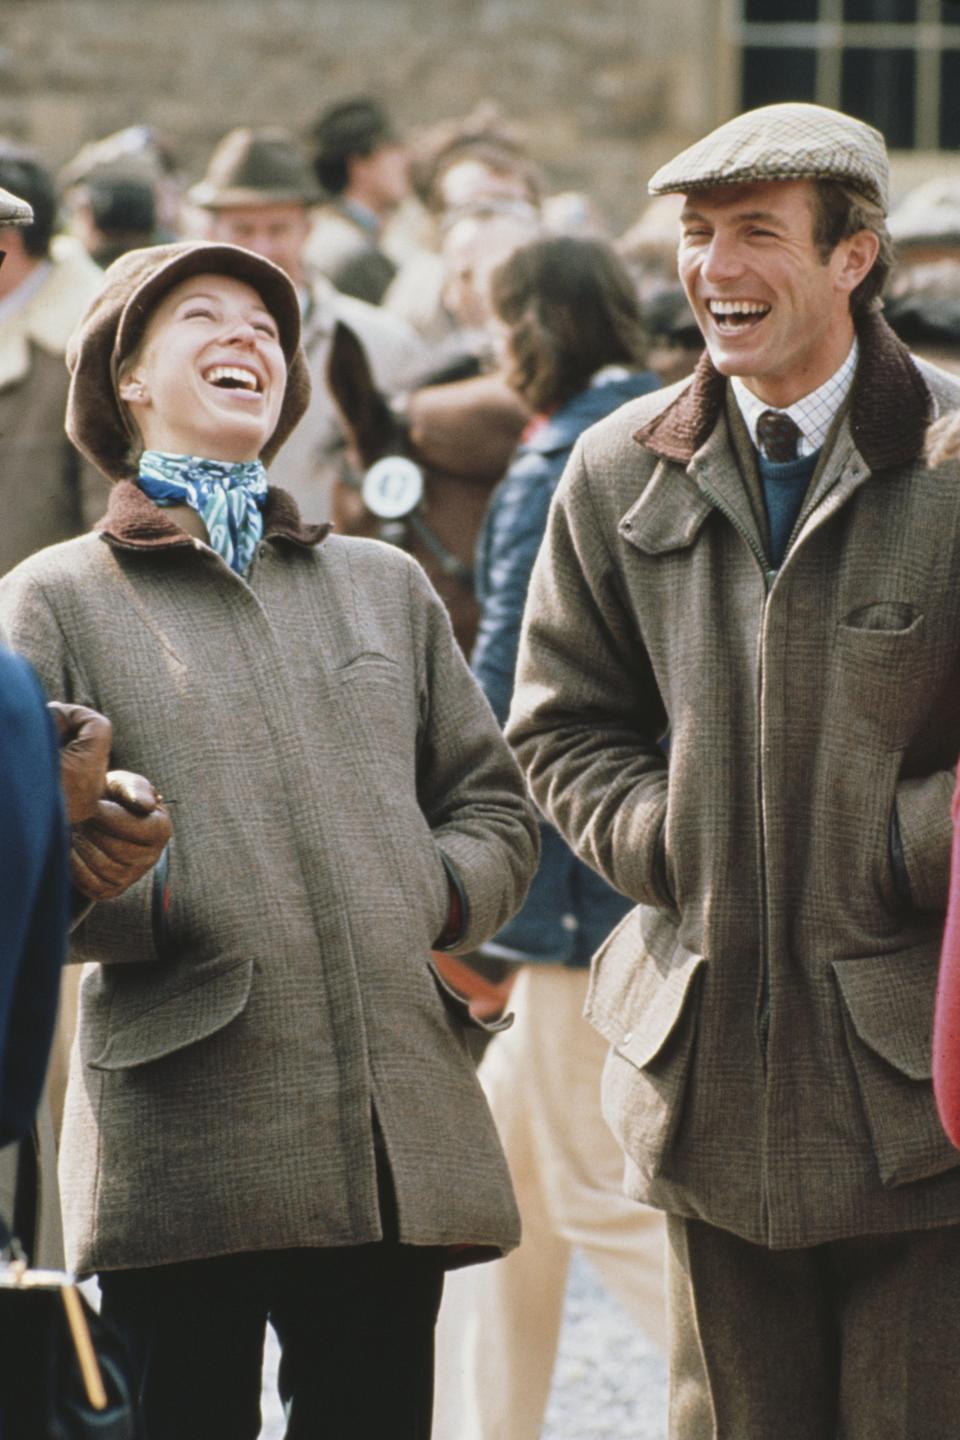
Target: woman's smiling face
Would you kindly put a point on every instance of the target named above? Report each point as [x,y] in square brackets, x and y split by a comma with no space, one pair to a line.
[208,377]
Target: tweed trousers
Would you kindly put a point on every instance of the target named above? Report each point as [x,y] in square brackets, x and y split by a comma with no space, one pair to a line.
[499,1324]
[852,1340]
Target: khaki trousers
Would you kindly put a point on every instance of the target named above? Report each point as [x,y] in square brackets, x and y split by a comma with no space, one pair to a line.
[854,1340]
[500,1323]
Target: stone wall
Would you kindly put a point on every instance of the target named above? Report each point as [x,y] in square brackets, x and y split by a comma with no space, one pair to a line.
[605,89]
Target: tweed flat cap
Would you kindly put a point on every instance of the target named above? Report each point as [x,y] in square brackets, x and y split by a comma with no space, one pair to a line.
[783,142]
[116,318]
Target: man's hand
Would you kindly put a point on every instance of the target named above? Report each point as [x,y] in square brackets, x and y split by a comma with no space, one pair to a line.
[85,738]
[122,840]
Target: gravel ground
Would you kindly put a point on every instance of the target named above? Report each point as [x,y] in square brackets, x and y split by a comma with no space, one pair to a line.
[609,1382]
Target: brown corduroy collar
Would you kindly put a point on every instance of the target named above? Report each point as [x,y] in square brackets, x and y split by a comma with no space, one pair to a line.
[890,406]
[135,522]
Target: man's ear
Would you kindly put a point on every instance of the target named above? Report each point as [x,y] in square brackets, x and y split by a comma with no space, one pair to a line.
[858,253]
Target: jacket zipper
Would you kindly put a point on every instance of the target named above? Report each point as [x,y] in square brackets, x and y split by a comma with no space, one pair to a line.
[763,1009]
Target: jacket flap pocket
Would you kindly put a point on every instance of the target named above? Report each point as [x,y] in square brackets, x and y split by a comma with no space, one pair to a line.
[174,1020]
[668,515]
[888,1017]
[640,980]
[890,1002]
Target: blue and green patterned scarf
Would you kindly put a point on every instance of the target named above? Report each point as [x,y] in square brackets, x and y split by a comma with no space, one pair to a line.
[228,496]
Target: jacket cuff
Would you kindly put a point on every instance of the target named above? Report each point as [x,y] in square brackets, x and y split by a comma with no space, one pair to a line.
[923,818]
[458,916]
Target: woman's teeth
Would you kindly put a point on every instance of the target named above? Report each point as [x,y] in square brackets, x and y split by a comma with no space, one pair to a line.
[232,377]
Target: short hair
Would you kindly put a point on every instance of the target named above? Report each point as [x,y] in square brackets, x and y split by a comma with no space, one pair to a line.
[351,127]
[23,174]
[839,211]
[571,308]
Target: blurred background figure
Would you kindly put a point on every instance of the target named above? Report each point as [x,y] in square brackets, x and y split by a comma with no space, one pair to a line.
[362,166]
[259,192]
[49,492]
[922,301]
[572,346]
[473,243]
[649,251]
[97,201]
[459,168]
[111,214]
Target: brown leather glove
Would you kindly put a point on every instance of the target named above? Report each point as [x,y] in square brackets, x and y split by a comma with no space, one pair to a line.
[85,738]
[122,840]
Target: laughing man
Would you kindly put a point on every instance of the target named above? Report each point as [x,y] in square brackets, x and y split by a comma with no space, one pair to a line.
[757,562]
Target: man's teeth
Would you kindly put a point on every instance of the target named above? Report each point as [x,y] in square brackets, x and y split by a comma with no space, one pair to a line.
[736,309]
[231,376]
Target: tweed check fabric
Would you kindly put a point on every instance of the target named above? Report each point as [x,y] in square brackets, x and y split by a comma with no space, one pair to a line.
[770,998]
[330,753]
[783,142]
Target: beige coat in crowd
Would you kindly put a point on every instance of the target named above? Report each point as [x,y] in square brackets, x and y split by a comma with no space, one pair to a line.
[49,492]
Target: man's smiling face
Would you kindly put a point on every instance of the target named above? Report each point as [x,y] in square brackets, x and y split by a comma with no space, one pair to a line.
[772,309]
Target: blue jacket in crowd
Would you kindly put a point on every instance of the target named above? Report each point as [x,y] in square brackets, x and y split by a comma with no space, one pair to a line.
[569,910]
[33,893]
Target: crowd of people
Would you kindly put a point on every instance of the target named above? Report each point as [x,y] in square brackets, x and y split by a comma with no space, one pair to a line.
[504,682]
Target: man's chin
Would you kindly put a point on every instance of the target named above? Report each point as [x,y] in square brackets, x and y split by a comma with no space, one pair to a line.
[728,361]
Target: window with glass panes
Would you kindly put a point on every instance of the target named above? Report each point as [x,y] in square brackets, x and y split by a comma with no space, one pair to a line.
[895,63]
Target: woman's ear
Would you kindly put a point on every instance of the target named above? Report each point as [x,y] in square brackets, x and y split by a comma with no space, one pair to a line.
[131,389]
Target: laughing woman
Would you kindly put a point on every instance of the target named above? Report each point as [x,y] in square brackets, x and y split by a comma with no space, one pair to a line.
[271,1111]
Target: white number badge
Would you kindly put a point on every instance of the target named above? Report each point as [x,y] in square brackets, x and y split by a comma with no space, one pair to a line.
[392,487]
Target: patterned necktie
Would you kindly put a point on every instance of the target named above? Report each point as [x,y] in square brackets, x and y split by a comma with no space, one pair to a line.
[778,435]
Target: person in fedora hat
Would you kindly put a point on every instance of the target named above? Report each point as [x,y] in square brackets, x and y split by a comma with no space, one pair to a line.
[272,1111]
[363,169]
[737,697]
[259,192]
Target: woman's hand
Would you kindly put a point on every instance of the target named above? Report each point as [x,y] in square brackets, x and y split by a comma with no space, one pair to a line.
[122,840]
[85,737]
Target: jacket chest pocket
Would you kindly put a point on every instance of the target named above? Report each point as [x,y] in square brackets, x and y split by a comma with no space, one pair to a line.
[378,710]
[878,673]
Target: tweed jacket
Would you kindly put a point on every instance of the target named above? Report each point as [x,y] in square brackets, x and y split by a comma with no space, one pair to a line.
[769,1000]
[329,755]
[49,491]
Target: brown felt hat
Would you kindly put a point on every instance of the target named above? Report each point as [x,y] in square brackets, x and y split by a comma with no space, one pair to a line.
[256,167]
[115,321]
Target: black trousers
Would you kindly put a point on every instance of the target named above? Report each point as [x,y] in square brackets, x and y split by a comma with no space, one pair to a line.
[355,1326]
